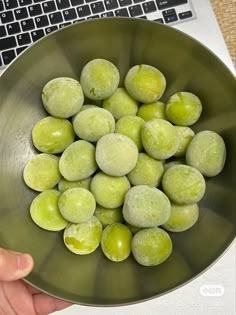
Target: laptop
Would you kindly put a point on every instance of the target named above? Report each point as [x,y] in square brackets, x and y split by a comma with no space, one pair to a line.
[23,22]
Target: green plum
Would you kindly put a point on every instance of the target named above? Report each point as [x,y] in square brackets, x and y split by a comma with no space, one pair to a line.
[45,213]
[52,135]
[183,109]
[151,246]
[183,184]
[160,139]
[109,191]
[147,171]
[116,154]
[93,123]
[145,83]
[62,97]
[99,79]
[185,136]
[171,162]
[131,126]
[108,216]
[77,205]
[152,111]
[78,161]
[83,238]
[146,206]
[133,229]
[182,217]
[42,172]
[207,153]
[64,184]
[116,242]
[121,104]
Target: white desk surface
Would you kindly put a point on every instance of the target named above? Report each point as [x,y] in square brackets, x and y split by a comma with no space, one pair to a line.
[195,297]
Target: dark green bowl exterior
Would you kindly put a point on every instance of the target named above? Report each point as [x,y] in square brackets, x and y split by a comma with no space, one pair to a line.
[187,66]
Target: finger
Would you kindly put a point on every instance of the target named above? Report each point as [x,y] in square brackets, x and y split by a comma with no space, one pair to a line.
[14,265]
[45,304]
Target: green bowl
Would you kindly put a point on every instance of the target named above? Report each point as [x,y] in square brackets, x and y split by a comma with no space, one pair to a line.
[187,66]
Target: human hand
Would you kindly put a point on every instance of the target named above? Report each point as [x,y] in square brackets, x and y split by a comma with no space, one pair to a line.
[16,296]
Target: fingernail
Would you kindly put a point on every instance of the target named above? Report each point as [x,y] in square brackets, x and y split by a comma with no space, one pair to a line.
[22,261]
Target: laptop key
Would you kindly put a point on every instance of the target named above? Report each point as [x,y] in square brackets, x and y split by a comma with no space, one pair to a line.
[7,43]
[171,18]
[7,17]
[8,56]
[13,28]
[149,7]
[111,4]
[51,29]
[83,11]
[49,6]
[2,31]
[124,3]
[20,49]
[41,21]
[168,12]
[21,13]
[169,3]
[159,21]
[122,12]
[37,34]
[10,4]
[62,25]
[25,2]
[0,61]
[107,14]
[35,10]
[93,17]
[135,10]
[1,6]
[63,4]
[137,1]
[55,18]
[27,25]
[23,39]
[185,15]
[70,14]
[97,7]
[77,2]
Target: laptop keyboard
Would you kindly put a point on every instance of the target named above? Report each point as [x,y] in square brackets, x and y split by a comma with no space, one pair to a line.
[23,22]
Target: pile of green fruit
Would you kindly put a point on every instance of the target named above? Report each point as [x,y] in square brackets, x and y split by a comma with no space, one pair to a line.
[124,172]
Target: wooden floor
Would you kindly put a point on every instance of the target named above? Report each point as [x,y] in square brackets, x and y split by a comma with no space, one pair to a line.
[225,11]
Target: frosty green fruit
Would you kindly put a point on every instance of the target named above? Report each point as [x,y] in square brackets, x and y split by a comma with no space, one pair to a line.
[78,161]
[131,127]
[93,123]
[99,79]
[182,217]
[109,191]
[159,138]
[116,154]
[62,97]
[83,238]
[207,153]
[152,111]
[145,83]
[151,247]
[52,135]
[108,216]
[116,242]
[183,184]
[185,136]
[42,172]
[77,205]
[64,184]
[146,206]
[45,213]
[183,109]
[147,171]
[121,104]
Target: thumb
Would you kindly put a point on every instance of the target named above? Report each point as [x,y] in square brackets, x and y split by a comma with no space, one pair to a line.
[14,265]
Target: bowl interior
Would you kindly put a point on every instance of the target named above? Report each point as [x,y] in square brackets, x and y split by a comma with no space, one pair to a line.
[187,66]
